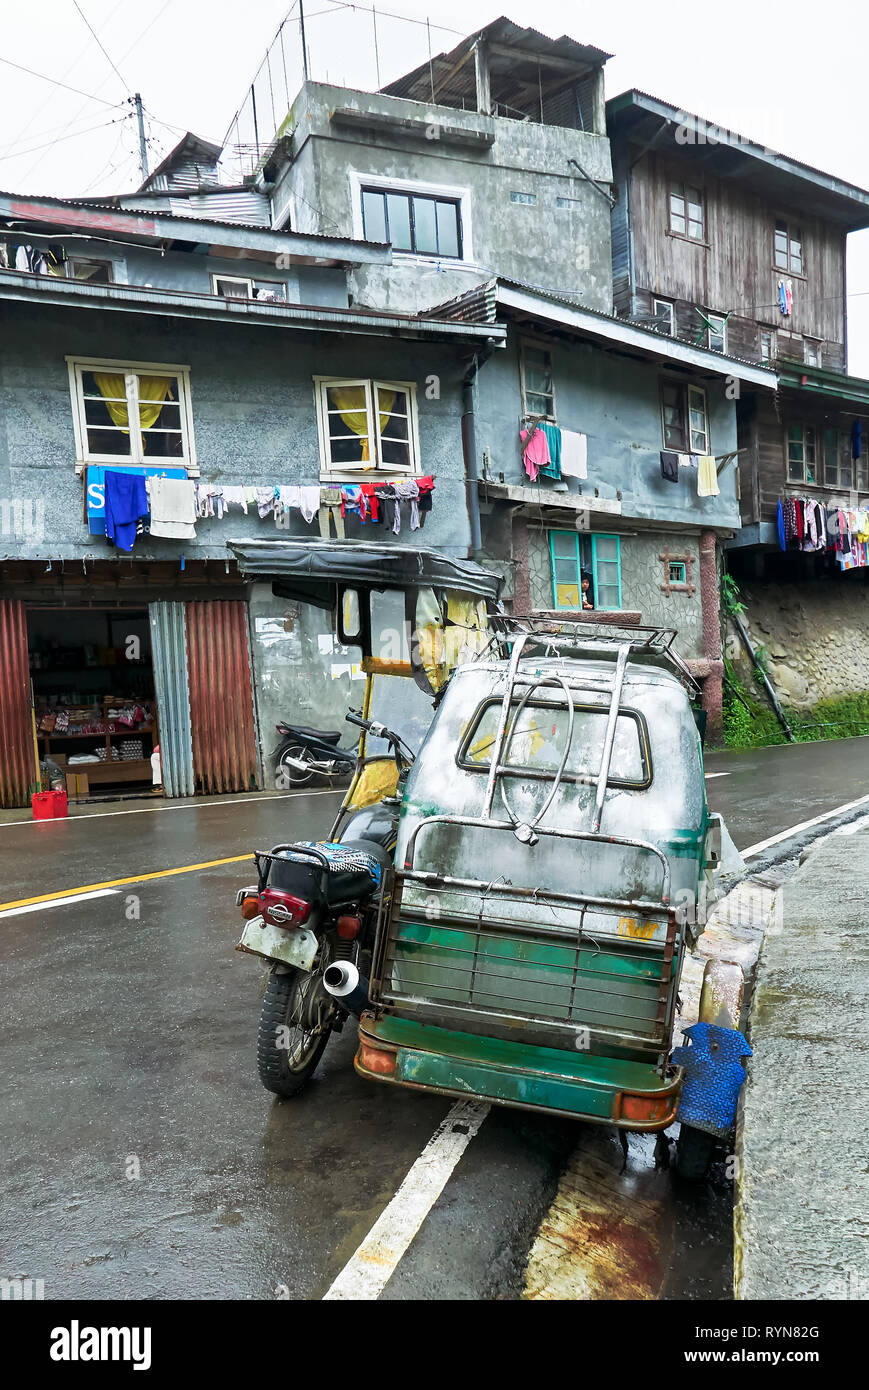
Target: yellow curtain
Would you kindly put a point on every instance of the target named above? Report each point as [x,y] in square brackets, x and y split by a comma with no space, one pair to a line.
[154,390]
[357,420]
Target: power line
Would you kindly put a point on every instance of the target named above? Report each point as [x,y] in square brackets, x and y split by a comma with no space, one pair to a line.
[13,146]
[71,136]
[98,41]
[42,77]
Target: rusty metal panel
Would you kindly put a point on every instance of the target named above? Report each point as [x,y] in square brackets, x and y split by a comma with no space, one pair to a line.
[169,654]
[17,758]
[221,696]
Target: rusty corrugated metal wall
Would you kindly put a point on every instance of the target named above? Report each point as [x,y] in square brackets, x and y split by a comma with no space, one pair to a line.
[221,697]
[17,759]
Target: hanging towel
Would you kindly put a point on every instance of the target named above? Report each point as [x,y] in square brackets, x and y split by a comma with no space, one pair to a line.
[669,466]
[707,478]
[173,510]
[689,460]
[126,504]
[552,469]
[574,454]
[536,451]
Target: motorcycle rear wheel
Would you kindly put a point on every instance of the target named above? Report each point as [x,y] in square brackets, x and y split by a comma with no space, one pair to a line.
[288,1051]
[290,776]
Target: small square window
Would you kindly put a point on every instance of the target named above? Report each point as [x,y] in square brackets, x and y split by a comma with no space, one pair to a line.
[678,573]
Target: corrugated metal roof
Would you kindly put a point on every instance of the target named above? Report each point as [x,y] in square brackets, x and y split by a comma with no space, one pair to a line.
[770,163]
[181,302]
[418,84]
[113,204]
[468,307]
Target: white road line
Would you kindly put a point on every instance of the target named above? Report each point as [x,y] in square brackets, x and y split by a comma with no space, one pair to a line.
[61,901]
[366,1274]
[710,775]
[803,825]
[195,806]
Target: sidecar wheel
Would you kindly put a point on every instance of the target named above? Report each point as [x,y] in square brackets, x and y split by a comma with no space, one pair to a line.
[288,1053]
[694,1149]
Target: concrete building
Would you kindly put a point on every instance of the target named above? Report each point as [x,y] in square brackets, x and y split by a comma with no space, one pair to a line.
[223,355]
[649,546]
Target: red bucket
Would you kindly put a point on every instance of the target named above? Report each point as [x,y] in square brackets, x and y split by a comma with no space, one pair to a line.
[49,805]
[43,805]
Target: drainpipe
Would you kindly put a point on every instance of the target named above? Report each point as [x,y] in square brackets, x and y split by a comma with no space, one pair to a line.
[469,448]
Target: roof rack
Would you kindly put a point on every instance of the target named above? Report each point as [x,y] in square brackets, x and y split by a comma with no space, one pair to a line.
[599,640]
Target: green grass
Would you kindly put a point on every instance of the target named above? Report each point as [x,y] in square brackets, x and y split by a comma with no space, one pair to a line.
[749,722]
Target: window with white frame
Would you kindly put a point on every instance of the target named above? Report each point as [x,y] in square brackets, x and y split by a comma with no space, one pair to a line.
[768,345]
[788,247]
[664,315]
[243,287]
[802,446]
[425,223]
[686,211]
[716,331]
[812,350]
[685,418]
[131,412]
[367,425]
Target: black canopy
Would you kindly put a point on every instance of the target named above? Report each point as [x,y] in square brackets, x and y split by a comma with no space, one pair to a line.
[318,562]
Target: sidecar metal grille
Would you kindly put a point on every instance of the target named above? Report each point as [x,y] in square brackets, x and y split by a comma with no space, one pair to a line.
[615,988]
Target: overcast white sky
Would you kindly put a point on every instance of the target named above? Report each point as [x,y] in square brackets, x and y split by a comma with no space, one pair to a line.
[791,76]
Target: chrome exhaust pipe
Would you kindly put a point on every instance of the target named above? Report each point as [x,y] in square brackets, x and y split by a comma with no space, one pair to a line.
[344,983]
[309,765]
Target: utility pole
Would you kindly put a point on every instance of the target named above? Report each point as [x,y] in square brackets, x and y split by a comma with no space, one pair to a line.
[143,148]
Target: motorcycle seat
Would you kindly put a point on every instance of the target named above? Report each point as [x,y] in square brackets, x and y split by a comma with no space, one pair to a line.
[345,881]
[324,735]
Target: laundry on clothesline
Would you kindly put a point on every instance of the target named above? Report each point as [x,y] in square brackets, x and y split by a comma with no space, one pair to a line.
[552,452]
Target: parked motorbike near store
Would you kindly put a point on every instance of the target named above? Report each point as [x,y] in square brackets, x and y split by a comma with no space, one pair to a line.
[304,753]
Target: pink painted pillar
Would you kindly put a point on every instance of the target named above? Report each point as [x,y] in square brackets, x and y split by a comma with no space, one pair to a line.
[712,684]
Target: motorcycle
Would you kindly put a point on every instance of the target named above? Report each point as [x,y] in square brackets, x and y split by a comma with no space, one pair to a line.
[312,915]
[304,753]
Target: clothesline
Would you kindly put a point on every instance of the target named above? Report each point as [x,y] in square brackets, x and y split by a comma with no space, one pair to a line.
[169,507]
[804,523]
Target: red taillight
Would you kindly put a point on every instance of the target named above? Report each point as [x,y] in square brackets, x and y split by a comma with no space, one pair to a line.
[283,909]
[349,927]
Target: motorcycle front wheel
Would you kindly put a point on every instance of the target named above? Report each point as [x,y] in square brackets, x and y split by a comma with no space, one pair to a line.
[289,1047]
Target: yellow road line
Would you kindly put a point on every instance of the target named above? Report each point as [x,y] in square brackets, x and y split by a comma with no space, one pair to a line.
[120,882]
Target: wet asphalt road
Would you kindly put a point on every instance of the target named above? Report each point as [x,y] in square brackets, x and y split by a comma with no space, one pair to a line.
[128,1030]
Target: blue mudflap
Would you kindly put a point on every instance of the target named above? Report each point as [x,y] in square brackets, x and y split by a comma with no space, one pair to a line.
[713,1076]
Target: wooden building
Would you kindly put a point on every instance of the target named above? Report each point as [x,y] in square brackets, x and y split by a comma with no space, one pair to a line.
[722,242]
